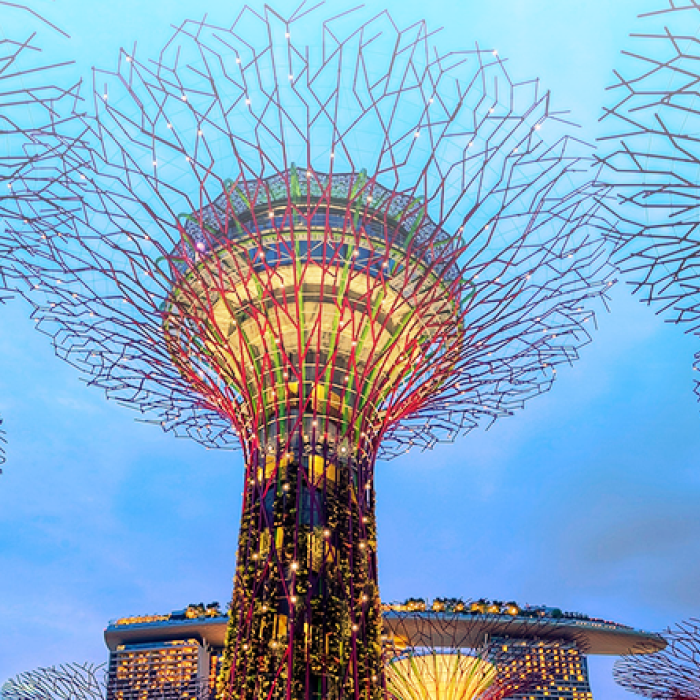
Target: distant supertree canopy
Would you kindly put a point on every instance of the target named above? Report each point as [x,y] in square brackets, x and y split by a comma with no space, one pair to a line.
[3,442]
[65,682]
[439,674]
[31,89]
[196,150]
[325,252]
[671,674]
[651,149]
[75,681]
[28,93]
[456,658]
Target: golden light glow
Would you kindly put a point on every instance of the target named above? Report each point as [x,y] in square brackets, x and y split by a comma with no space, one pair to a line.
[169,669]
[436,676]
[360,327]
[362,338]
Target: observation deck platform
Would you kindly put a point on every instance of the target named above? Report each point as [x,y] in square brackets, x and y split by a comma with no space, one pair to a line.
[464,631]
[415,629]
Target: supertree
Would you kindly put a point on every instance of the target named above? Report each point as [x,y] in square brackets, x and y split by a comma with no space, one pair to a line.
[453,661]
[32,89]
[483,657]
[324,253]
[651,150]
[29,92]
[671,674]
[86,681]
[71,681]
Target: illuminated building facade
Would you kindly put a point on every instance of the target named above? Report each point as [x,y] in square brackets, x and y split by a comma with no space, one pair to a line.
[560,663]
[179,655]
[177,669]
[170,657]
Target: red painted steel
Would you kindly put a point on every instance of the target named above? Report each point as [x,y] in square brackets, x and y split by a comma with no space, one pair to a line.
[29,89]
[673,673]
[327,253]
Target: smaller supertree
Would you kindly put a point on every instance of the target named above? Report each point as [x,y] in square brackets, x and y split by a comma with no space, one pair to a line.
[74,681]
[33,87]
[29,97]
[671,674]
[651,155]
[65,682]
[452,675]
[454,657]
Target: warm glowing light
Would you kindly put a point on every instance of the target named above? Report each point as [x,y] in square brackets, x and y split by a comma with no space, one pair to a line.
[443,676]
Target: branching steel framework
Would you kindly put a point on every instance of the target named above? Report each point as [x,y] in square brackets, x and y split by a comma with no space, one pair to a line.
[327,253]
[30,95]
[75,681]
[456,658]
[652,138]
[27,98]
[65,682]
[672,674]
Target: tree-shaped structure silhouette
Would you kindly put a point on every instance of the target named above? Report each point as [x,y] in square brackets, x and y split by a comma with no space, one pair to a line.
[324,252]
[28,92]
[75,681]
[651,149]
[65,682]
[671,674]
[453,657]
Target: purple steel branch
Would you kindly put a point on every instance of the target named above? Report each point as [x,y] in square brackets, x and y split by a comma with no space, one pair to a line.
[672,674]
[328,254]
[652,160]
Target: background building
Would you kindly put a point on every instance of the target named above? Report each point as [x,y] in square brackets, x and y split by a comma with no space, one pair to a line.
[562,664]
[176,668]
[177,655]
[166,656]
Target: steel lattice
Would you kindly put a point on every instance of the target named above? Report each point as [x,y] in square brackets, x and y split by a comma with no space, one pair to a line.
[75,681]
[326,252]
[28,92]
[672,674]
[453,656]
[652,139]
[65,682]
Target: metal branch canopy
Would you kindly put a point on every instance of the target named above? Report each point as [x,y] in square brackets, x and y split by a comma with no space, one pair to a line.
[449,657]
[673,673]
[652,141]
[328,253]
[64,682]
[28,89]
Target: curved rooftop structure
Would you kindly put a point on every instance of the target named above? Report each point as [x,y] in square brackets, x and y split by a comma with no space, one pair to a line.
[413,628]
[465,631]
[347,204]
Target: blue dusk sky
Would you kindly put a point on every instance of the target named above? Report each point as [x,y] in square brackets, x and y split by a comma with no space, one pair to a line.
[587,499]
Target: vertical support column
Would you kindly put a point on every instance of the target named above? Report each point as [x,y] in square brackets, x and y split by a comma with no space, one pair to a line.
[305,621]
